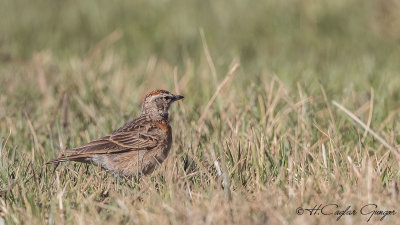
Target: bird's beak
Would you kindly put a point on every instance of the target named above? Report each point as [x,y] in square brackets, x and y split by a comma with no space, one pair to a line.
[178,97]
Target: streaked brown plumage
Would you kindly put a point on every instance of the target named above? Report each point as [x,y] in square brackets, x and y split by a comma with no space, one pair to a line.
[138,146]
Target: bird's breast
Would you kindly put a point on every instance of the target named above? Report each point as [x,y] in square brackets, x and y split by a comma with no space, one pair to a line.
[166,143]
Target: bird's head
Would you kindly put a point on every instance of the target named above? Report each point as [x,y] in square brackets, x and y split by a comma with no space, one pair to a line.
[157,103]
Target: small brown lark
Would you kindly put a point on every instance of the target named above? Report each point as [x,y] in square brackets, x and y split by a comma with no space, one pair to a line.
[137,147]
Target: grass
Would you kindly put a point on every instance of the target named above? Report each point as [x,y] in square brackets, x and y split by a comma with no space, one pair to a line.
[250,146]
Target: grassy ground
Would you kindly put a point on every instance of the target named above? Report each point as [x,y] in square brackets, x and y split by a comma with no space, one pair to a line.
[72,71]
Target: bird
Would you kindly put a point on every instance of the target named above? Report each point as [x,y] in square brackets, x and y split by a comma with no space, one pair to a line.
[137,147]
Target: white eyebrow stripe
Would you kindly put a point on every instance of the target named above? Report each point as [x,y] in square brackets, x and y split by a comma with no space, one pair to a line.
[157,96]
[152,97]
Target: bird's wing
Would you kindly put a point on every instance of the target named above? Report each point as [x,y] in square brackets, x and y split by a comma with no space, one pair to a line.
[137,135]
[135,140]
[130,137]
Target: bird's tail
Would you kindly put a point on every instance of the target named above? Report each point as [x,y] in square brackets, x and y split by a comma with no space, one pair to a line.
[61,159]
[77,157]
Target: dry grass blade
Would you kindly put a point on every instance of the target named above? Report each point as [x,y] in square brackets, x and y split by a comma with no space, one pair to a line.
[324,155]
[64,112]
[375,135]
[371,109]
[178,90]
[208,56]
[106,42]
[34,135]
[222,173]
[90,112]
[200,122]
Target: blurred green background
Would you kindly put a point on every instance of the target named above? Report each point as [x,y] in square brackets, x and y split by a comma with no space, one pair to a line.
[338,43]
[344,45]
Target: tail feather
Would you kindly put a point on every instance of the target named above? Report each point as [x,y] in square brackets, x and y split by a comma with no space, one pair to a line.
[78,157]
[61,159]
